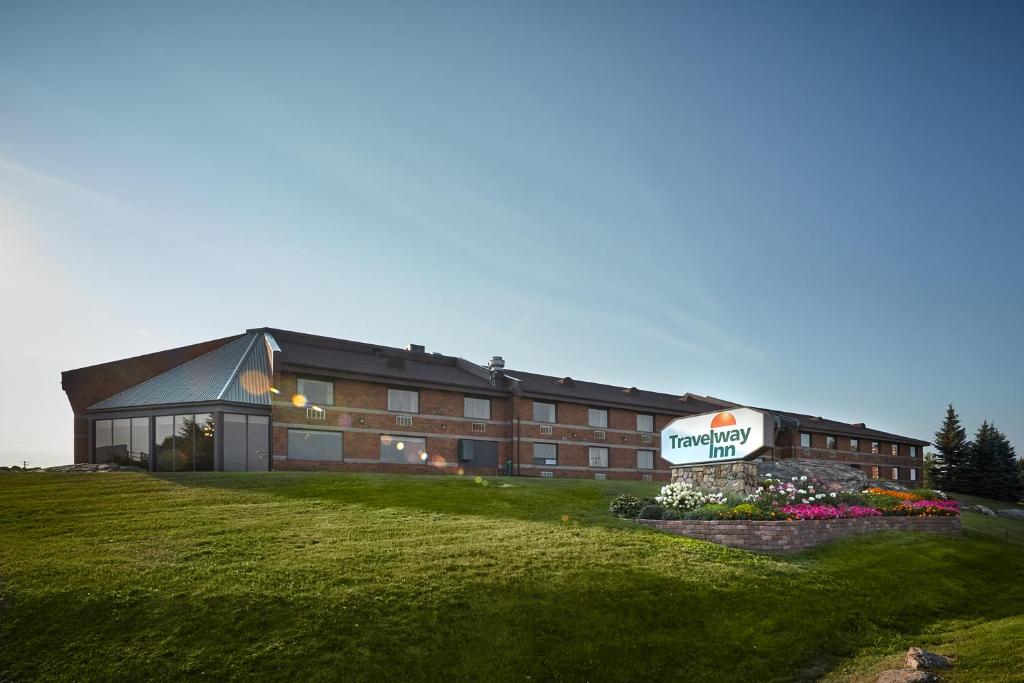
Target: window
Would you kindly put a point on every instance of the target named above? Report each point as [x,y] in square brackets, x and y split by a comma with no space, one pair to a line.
[855,445]
[477,408]
[123,441]
[545,454]
[895,473]
[309,444]
[478,453]
[895,449]
[645,423]
[405,450]
[875,447]
[316,391]
[543,412]
[403,401]
[830,443]
[805,440]
[874,471]
[913,451]
[184,443]
[645,460]
[246,443]
[913,474]
[598,457]
[597,417]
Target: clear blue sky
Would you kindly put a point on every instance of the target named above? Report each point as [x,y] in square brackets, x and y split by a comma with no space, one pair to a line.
[810,206]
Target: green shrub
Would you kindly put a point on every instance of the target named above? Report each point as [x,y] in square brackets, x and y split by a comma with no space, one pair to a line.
[672,513]
[625,506]
[651,511]
[749,511]
[706,512]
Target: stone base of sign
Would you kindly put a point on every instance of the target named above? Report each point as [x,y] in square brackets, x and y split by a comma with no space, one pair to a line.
[739,476]
[770,536]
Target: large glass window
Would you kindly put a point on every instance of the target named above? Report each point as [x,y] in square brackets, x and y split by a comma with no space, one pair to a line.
[543,412]
[317,392]
[140,442]
[204,442]
[477,408]
[309,444]
[124,441]
[407,450]
[102,441]
[403,401]
[164,437]
[645,423]
[545,454]
[598,457]
[597,417]
[645,460]
[246,443]
[185,443]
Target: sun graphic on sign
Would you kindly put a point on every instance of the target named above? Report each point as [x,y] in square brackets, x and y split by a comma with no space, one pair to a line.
[723,420]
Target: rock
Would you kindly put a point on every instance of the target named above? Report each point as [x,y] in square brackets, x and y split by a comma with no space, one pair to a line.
[89,467]
[983,510]
[834,476]
[922,659]
[906,676]
[1012,513]
[727,477]
[889,486]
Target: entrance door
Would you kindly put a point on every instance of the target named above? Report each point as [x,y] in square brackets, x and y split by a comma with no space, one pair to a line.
[258,453]
[246,443]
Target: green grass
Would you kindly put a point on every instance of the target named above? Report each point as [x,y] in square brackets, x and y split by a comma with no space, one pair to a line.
[311,576]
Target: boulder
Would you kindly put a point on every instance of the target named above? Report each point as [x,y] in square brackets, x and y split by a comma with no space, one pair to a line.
[835,476]
[983,510]
[889,486]
[1012,513]
[906,676]
[90,467]
[922,659]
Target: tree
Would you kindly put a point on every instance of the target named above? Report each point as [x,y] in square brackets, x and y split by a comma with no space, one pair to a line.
[950,445]
[990,465]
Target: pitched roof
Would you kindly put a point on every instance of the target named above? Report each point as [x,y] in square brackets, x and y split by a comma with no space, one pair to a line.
[814,423]
[238,372]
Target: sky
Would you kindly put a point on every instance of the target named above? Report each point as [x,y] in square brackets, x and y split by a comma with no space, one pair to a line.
[808,206]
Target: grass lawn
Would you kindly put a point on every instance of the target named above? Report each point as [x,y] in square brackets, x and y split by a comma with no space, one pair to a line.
[313,576]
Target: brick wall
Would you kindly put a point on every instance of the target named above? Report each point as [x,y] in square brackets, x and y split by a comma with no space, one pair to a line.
[790,536]
[788,446]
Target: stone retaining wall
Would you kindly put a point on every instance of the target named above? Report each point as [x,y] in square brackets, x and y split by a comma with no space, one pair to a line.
[786,536]
[729,477]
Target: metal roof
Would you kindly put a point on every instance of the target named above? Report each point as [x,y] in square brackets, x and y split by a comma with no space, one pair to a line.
[238,372]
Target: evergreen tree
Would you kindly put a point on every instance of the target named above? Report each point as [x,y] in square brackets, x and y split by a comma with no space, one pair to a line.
[990,466]
[1005,466]
[950,446]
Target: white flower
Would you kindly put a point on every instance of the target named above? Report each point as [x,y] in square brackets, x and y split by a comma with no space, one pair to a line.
[803,478]
[832,495]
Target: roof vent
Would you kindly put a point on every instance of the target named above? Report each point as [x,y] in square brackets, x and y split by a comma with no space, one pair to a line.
[395,362]
[861,425]
[416,348]
[567,381]
[631,390]
[816,418]
[497,363]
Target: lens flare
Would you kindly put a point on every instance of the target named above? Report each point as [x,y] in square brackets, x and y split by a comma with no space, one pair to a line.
[400,445]
[299,401]
[478,479]
[461,471]
[437,460]
[386,440]
[254,382]
[565,518]
[274,391]
[423,456]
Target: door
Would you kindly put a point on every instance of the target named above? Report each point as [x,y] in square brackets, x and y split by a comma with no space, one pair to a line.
[258,452]
[246,443]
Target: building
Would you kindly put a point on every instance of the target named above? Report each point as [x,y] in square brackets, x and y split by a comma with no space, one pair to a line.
[275,399]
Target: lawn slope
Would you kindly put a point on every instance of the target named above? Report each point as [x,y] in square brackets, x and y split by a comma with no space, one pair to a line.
[318,576]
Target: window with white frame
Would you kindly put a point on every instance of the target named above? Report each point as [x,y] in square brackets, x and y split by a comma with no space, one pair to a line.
[854,445]
[403,401]
[895,473]
[645,423]
[545,454]
[895,449]
[543,412]
[598,457]
[477,408]
[913,474]
[597,417]
[645,460]
[316,391]
[876,447]
[805,440]
[913,451]
[874,472]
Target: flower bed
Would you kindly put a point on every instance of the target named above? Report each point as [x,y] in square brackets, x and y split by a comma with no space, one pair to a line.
[680,508]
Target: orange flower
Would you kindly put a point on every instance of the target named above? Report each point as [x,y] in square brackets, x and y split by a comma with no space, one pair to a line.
[895,494]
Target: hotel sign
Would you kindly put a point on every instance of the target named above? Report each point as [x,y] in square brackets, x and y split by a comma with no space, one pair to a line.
[733,434]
